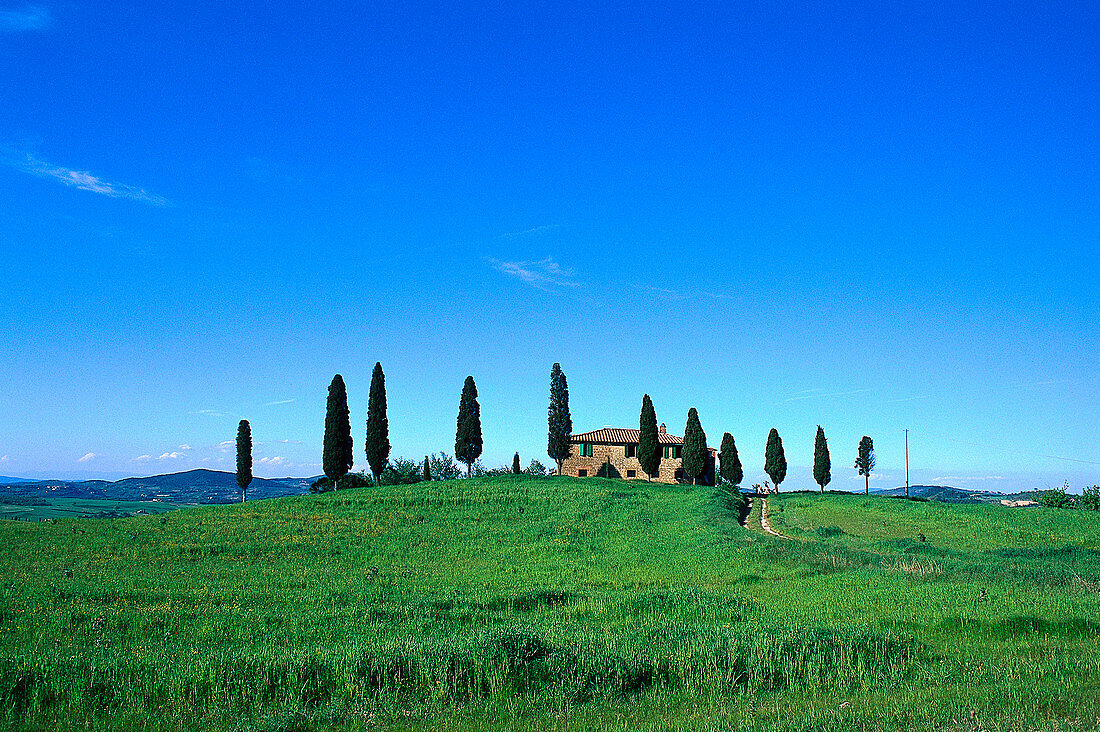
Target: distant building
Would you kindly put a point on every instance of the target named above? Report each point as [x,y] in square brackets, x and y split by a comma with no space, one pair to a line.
[591,452]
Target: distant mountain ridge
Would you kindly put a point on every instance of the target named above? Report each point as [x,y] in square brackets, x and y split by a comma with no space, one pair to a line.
[191,486]
[949,494]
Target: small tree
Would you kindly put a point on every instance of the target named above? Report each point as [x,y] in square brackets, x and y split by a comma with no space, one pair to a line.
[427,469]
[559,421]
[1056,497]
[378,426]
[468,442]
[694,457]
[516,467]
[865,462]
[822,464]
[443,467]
[337,459]
[244,457]
[729,463]
[1090,498]
[775,462]
[536,468]
[649,448]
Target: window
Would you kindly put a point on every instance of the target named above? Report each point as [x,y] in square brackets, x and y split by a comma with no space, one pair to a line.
[632,451]
[586,449]
[582,473]
[679,474]
[631,474]
[674,451]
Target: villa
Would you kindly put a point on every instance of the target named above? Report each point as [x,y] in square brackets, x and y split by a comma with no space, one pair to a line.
[593,451]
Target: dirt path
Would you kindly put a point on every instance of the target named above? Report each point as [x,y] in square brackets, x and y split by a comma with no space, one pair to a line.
[765,524]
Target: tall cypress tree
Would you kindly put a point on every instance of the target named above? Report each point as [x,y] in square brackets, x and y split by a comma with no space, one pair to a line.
[822,463]
[649,448]
[378,425]
[560,423]
[244,457]
[730,463]
[516,468]
[694,460]
[468,442]
[775,462]
[865,462]
[427,469]
[337,459]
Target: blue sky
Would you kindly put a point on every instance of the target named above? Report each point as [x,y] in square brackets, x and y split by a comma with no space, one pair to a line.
[862,216]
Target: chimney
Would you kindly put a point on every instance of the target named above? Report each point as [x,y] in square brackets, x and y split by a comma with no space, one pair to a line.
[662,429]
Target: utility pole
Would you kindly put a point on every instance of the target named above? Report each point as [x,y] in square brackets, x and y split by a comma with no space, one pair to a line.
[907,463]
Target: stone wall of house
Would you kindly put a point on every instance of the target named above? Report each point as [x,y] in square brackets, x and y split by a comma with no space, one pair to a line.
[573,464]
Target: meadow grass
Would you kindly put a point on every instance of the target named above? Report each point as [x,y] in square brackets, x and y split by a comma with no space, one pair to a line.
[553,604]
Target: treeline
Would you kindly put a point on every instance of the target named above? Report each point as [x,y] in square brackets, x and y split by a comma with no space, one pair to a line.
[338,453]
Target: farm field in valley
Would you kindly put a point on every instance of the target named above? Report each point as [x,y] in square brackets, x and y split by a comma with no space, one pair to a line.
[554,603]
[58,508]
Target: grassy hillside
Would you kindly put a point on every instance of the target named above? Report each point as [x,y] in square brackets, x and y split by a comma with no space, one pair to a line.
[553,604]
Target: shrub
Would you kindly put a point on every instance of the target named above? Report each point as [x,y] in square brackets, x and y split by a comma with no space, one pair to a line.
[1090,498]
[402,472]
[536,468]
[1056,498]
[443,467]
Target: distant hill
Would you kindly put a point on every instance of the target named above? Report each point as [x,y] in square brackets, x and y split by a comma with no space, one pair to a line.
[8,480]
[192,486]
[948,494]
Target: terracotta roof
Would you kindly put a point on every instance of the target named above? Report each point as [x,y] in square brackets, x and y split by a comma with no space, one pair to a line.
[620,436]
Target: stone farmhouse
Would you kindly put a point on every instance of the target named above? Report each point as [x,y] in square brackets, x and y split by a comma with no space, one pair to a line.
[591,452]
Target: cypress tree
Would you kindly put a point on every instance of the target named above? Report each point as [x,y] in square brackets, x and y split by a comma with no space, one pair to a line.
[427,469]
[560,423]
[649,448]
[378,425]
[865,462]
[244,457]
[775,462]
[730,467]
[822,463]
[468,442]
[694,457]
[515,464]
[337,459]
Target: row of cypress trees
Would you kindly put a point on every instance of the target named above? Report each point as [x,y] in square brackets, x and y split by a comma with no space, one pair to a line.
[338,458]
[338,455]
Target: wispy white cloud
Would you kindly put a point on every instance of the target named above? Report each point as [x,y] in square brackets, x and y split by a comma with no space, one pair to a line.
[226,445]
[542,274]
[281,401]
[820,394]
[171,456]
[142,458]
[210,412]
[30,18]
[184,447]
[963,479]
[85,181]
[527,232]
[671,294]
[87,457]
[5,459]
[277,460]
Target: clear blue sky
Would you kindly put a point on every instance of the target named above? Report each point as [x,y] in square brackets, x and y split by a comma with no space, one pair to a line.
[862,216]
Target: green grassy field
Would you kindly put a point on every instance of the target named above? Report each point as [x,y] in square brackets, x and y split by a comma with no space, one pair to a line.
[553,604]
[57,508]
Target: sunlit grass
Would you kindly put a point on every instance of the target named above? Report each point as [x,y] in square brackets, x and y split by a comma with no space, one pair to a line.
[557,603]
